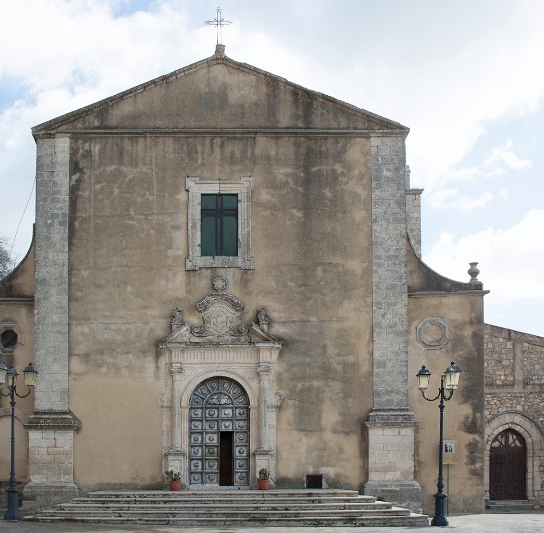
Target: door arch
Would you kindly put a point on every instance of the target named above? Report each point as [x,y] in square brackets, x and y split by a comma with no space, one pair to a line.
[508,466]
[219,434]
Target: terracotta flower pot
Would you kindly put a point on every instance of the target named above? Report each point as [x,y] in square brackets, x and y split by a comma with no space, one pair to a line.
[175,485]
[263,484]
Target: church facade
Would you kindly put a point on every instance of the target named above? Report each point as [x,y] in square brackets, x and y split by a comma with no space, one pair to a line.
[226,276]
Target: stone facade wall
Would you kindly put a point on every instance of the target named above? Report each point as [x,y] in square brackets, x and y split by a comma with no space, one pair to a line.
[533,363]
[514,396]
[514,374]
[499,363]
[112,196]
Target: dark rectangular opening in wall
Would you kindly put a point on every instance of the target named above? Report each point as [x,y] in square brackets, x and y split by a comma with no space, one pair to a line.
[226,458]
[314,481]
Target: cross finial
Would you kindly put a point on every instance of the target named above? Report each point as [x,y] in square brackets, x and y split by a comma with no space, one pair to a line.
[218,22]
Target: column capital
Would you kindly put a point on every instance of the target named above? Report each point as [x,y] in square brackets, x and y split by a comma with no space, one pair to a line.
[264,369]
[53,420]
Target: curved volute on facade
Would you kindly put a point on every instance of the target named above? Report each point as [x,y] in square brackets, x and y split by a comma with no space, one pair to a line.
[220,385]
[422,278]
[20,282]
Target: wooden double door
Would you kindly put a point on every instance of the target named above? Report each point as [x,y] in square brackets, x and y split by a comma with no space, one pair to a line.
[508,467]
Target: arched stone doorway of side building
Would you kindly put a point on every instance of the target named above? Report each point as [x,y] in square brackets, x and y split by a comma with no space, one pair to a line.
[219,434]
[509,438]
[507,467]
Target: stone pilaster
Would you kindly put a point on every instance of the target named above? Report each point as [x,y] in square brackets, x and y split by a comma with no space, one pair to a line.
[413,218]
[176,456]
[264,371]
[391,425]
[177,373]
[51,427]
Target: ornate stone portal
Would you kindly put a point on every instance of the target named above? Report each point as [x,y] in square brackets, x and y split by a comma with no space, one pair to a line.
[220,399]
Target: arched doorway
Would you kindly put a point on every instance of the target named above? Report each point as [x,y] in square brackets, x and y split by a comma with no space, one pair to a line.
[219,434]
[507,466]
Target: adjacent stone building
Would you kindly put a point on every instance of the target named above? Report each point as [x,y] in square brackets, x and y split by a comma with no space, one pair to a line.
[227,276]
[514,396]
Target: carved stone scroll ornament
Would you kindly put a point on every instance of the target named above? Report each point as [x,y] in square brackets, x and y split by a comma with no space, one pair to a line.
[220,313]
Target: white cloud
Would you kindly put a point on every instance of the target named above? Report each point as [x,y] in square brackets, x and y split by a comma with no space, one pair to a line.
[500,160]
[504,155]
[467,203]
[450,199]
[510,259]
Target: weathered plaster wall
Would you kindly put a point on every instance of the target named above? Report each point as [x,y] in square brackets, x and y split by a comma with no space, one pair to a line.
[463,314]
[311,244]
[17,313]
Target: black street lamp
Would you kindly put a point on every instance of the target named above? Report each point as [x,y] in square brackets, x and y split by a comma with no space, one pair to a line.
[8,376]
[448,382]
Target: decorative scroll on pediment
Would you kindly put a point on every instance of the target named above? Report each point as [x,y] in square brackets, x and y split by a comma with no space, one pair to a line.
[221,322]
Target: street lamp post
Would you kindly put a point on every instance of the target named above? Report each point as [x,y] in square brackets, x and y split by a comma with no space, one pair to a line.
[8,376]
[448,382]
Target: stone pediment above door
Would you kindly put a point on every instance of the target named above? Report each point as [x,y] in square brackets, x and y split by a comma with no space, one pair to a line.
[221,323]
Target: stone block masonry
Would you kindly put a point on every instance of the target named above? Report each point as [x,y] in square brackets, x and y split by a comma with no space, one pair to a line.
[391,424]
[51,426]
[51,299]
[390,295]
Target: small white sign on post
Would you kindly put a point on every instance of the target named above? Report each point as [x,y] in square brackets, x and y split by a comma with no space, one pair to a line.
[449,453]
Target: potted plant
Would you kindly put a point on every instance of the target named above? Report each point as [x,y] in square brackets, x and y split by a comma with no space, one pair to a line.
[263,481]
[174,481]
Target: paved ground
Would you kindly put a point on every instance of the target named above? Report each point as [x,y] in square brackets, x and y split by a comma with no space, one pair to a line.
[496,522]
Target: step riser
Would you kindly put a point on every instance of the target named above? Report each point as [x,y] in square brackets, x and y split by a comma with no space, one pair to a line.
[235,512]
[287,522]
[189,507]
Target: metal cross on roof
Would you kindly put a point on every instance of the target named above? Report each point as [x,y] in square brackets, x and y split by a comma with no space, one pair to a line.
[218,22]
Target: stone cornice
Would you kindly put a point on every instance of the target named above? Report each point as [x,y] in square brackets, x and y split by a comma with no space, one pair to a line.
[215,132]
[53,420]
[465,292]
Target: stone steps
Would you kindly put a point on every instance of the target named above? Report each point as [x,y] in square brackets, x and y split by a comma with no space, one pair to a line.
[513,506]
[236,508]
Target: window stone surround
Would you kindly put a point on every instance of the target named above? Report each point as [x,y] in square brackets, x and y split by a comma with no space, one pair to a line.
[196,186]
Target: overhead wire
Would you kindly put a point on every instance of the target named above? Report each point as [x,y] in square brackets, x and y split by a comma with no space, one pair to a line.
[22,216]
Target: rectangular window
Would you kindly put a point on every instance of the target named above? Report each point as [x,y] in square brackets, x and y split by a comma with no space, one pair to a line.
[219,225]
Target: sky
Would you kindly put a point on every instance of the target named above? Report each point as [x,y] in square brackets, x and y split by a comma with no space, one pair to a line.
[466,77]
